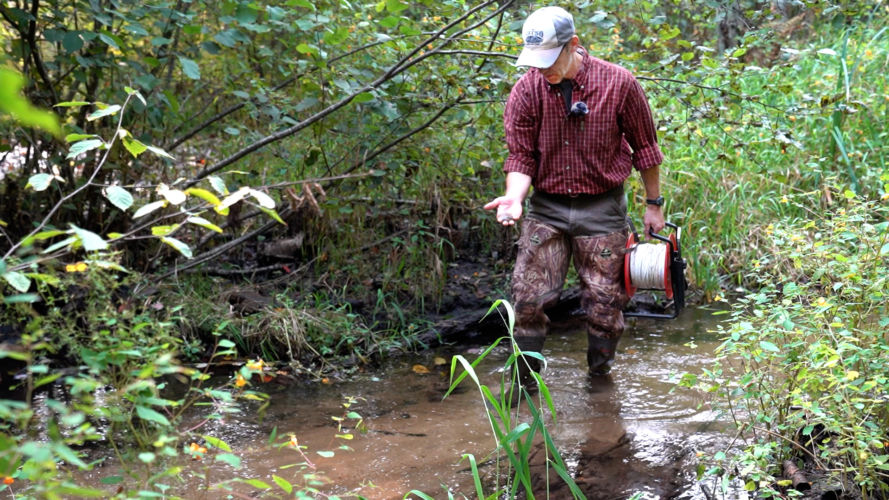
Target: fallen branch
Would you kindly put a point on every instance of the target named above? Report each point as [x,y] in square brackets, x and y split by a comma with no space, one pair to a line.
[797,477]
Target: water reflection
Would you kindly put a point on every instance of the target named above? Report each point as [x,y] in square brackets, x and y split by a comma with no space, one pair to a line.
[629,432]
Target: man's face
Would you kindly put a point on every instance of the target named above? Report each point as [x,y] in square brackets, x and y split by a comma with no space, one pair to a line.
[556,73]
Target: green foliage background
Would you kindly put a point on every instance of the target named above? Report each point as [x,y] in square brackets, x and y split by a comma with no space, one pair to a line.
[373,130]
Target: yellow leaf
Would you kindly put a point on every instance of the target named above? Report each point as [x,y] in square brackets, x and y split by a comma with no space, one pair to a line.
[440,361]
[851,375]
[420,369]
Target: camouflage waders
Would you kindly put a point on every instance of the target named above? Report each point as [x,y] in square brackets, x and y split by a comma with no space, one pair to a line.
[540,270]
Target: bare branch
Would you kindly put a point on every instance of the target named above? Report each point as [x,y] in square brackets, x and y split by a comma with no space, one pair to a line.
[402,65]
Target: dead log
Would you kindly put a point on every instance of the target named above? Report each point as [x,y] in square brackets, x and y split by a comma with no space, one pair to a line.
[798,479]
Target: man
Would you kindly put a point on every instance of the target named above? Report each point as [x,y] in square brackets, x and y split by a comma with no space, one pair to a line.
[575,127]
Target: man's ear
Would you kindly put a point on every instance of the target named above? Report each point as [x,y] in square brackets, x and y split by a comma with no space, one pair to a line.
[575,41]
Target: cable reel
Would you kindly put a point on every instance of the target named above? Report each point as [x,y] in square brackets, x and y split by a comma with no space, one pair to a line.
[656,266]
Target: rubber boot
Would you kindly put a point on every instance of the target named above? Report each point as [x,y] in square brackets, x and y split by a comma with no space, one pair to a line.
[600,354]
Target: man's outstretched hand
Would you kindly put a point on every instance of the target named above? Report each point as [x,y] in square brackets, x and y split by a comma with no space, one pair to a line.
[509,210]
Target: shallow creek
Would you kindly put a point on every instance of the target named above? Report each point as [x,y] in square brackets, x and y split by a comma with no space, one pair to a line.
[632,432]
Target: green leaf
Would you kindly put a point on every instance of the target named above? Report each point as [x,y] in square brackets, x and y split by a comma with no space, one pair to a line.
[18,281]
[160,152]
[233,460]
[396,6]
[150,207]
[256,483]
[200,221]
[283,484]
[768,346]
[363,97]
[60,244]
[306,4]
[21,110]
[134,146]
[180,247]
[164,230]
[106,111]
[47,379]
[146,456]
[218,184]
[25,298]
[151,415]
[190,68]
[110,39]
[111,480]
[72,104]
[78,137]
[273,214]
[84,146]
[72,41]
[40,181]
[68,491]
[217,443]
[119,197]
[90,240]
[204,195]
[263,199]
[307,49]
[325,454]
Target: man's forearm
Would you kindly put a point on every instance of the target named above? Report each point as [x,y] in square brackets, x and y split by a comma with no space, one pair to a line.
[651,179]
[517,185]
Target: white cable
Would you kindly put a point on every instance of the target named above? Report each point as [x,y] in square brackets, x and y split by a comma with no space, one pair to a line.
[647,262]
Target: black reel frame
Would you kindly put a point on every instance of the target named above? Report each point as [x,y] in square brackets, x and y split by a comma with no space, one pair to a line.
[677,275]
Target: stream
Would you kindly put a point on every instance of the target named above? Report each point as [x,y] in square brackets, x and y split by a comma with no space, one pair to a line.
[629,433]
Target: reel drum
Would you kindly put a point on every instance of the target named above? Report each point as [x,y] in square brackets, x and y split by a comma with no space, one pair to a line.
[656,266]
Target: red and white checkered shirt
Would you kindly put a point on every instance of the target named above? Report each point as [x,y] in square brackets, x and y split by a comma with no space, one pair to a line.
[589,153]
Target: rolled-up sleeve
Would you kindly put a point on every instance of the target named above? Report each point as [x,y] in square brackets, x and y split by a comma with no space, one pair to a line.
[638,127]
[521,129]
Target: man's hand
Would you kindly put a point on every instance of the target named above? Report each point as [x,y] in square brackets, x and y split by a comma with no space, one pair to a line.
[509,209]
[509,206]
[653,220]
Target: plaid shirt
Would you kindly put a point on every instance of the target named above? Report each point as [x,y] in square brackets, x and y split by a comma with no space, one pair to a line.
[590,153]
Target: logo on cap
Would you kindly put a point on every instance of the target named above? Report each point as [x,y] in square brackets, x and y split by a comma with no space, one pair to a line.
[534,37]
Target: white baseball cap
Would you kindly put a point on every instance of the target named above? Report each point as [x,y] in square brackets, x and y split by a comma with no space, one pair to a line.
[544,33]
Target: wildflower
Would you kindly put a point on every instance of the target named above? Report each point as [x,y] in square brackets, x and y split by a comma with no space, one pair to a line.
[8,480]
[256,365]
[885,196]
[240,381]
[197,451]
[784,199]
[821,302]
[293,442]
[718,298]
[79,267]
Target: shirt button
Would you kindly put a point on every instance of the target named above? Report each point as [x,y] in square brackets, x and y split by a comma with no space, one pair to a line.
[566,143]
[569,190]
[567,167]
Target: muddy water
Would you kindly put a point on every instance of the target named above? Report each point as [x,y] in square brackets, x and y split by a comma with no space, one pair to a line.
[631,432]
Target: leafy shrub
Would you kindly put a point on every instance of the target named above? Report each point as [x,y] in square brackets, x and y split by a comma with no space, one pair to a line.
[804,367]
